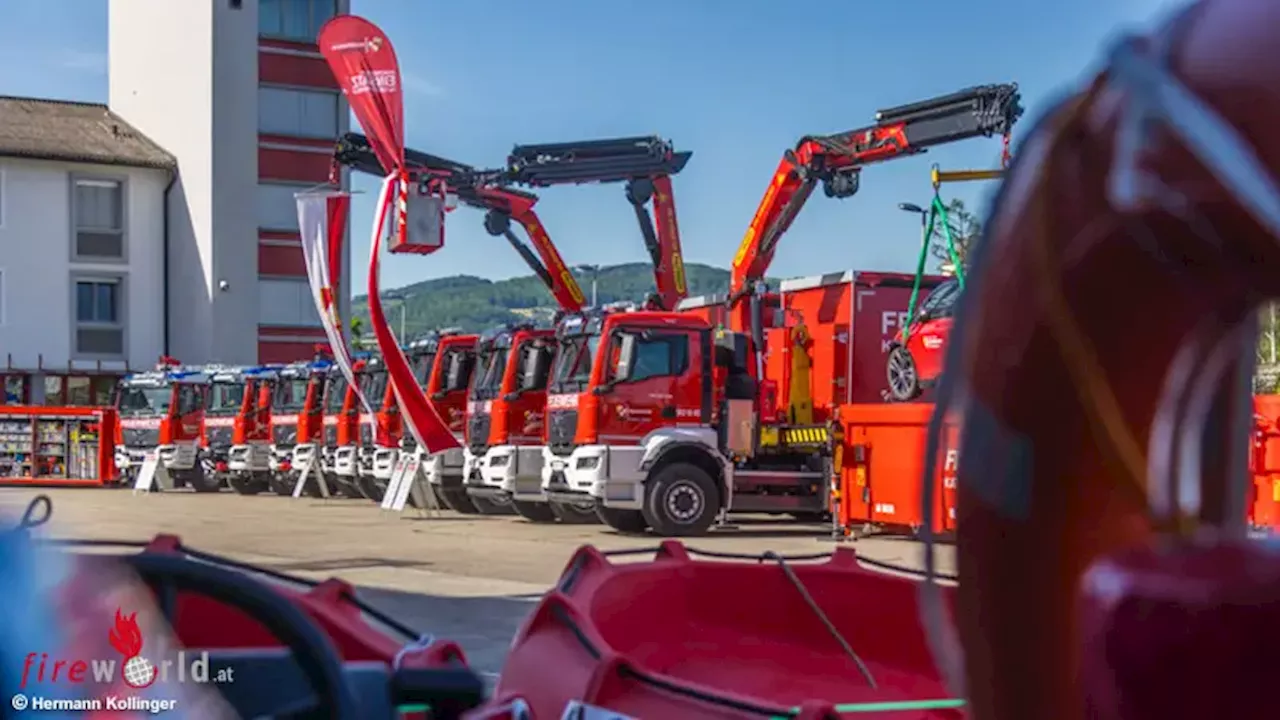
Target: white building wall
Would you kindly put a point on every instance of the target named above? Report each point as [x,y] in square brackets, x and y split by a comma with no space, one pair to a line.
[37,270]
[185,74]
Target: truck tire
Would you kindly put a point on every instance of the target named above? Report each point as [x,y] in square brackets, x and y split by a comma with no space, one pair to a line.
[581,513]
[900,371]
[282,483]
[457,500]
[681,500]
[631,522]
[534,511]
[201,482]
[488,506]
[372,488]
[246,484]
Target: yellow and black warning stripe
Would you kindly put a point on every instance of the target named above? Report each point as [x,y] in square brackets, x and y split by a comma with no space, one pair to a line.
[805,435]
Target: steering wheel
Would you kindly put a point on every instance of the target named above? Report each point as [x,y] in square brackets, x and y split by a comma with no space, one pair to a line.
[317,658]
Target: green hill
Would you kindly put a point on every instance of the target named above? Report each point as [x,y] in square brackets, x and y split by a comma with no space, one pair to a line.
[473,303]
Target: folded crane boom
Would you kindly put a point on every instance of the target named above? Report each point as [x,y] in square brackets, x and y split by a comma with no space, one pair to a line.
[502,204]
[837,160]
[645,164]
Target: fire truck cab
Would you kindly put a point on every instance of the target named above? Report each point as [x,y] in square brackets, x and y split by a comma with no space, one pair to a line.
[297,419]
[729,421]
[617,378]
[505,413]
[341,431]
[162,411]
[380,432]
[249,461]
[451,368]
[224,401]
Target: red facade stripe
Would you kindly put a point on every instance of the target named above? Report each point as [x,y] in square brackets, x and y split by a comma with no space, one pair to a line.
[281,260]
[286,351]
[293,166]
[282,331]
[289,45]
[317,143]
[275,69]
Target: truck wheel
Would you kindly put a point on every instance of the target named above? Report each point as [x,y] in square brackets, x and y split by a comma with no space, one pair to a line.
[534,511]
[373,488]
[681,500]
[457,500]
[282,483]
[343,486]
[900,371]
[489,506]
[579,513]
[631,522]
[245,484]
[202,482]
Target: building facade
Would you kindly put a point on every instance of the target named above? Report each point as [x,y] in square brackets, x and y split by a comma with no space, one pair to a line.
[251,116]
[82,250]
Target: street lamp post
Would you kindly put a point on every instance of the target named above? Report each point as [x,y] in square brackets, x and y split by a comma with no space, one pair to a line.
[400,299]
[595,277]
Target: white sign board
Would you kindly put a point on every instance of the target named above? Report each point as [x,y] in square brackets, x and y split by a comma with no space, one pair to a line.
[393,484]
[310,467]
[152,473]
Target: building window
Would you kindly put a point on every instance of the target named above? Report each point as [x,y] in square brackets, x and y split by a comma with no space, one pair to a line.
[286,303]
[277,206]
[99,314]
[53,394]
[298,20]
[17,389]
[98,207]
[300,113]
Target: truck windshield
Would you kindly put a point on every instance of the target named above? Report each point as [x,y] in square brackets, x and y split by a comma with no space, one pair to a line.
[224,398]
[145,401]
[334,394]
[488,377]
[374,386]
[573,363]
[422,368]
[291,394]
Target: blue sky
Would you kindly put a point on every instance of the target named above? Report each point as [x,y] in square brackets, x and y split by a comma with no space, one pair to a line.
[735,82]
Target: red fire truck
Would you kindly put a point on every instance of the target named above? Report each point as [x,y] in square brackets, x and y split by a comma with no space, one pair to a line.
[297,419]
[505,414]
[248,462]
[162,411]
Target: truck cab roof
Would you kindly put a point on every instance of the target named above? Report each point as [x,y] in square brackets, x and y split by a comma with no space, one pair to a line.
[161,378]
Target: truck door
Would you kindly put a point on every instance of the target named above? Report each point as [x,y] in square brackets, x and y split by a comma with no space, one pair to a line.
[648,383]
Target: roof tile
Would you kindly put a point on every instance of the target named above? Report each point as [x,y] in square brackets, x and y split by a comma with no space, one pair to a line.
[74,132]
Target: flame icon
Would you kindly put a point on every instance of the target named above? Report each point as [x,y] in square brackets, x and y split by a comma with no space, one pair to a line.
[126,638]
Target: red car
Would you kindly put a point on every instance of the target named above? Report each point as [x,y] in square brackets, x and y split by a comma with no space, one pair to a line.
[916,356]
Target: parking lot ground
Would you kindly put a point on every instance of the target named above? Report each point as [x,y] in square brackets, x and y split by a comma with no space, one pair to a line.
[466,578]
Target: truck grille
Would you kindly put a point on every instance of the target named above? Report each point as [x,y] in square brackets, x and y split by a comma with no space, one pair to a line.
[284,434]
[478,432]
[562,425]
[331,435]
[217,436]
[141,437]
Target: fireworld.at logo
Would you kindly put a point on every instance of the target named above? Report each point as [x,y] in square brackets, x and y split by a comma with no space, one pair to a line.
[132,669]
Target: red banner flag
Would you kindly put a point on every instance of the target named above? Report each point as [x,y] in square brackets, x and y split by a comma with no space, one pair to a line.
[420,415]
[365,65]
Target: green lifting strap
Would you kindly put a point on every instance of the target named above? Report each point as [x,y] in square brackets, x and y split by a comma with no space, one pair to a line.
[937,210]
[889,706]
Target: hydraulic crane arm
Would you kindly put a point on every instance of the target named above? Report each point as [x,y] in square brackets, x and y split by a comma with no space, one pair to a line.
[645,164]
[837,161]
[502,206]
